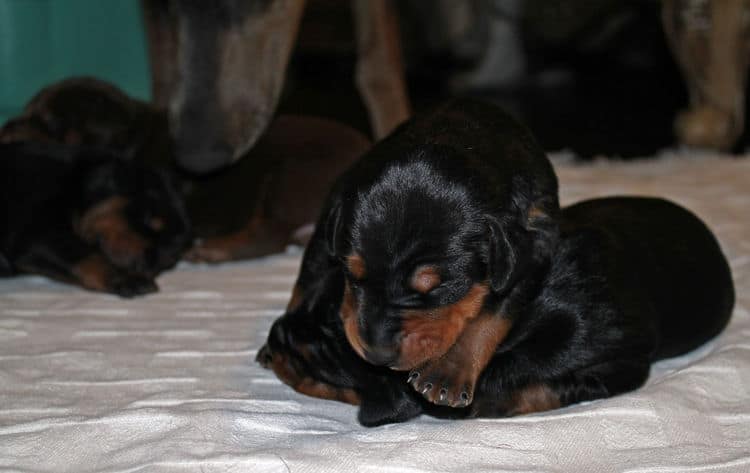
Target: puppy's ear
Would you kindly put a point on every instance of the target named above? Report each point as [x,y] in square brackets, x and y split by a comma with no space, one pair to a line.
[542,223]
[506,253]
[517,245]
[388,404]
[332,229]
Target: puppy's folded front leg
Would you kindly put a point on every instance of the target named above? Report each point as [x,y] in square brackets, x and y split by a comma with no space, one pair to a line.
[450,379]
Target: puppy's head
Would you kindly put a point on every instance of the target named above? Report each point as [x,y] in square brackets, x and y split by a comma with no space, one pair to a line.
[133,213]
[83,111]
[307,350]
[424,251]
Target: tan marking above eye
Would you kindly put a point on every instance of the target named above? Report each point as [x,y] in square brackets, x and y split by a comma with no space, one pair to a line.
[425,279]
[356,266]
[536,212]
[349,314]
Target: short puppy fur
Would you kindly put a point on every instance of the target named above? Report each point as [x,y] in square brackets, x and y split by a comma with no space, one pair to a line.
[88,217]
[444,278]
[264,202]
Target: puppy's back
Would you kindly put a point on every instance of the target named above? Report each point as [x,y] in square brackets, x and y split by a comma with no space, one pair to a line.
[678,262]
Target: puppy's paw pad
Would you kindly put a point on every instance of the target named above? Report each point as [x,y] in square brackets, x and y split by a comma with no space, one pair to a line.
[442,384]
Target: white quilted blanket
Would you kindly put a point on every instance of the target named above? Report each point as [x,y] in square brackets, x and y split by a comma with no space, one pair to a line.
[168,383]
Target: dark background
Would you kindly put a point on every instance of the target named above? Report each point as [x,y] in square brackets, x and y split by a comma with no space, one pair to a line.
[599,77]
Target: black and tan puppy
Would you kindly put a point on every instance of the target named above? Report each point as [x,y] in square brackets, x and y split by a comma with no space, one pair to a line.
[88,217]
[265,201]
[443,261]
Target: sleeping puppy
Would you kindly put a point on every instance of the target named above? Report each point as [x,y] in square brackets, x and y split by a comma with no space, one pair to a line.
[87,217]
[267,200]
[443,278]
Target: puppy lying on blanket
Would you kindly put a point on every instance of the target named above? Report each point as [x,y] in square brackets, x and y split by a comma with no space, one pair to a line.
[88,217]
[266,201]
[443,278]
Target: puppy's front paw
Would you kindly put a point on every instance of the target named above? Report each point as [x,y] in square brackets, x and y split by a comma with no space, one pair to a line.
[131,285]
[444,382]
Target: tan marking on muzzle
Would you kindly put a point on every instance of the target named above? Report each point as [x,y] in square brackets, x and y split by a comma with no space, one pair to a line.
[356,266]
[428,334]
[350,318]
[92,272]
[105,223]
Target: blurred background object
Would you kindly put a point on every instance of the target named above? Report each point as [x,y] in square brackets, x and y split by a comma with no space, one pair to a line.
[597,77]
[219,67]
[711,41]
[43,41]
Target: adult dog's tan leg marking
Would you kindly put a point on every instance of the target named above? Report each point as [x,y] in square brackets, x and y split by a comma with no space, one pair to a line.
[380,70]
[711,43]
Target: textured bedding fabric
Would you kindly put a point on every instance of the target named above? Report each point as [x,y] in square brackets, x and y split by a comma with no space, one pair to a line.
[90,382]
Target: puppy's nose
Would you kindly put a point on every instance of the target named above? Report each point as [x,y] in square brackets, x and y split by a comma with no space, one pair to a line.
[381,356]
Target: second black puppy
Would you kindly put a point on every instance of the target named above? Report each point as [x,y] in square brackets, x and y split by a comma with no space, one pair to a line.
[88,217]
[443,253]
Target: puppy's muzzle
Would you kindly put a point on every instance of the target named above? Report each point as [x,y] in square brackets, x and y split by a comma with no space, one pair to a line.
[381,356]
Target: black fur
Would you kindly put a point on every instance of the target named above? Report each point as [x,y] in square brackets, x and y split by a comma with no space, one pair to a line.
[47,188]
[595,292]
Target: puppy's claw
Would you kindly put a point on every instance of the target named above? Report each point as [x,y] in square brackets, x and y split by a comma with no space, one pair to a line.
[443,383]
[463,400]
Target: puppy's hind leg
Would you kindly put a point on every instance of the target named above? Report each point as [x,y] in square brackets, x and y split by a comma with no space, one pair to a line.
[258,238]
[594,382]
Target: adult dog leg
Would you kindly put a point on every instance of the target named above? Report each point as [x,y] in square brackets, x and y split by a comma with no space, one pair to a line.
[380,69]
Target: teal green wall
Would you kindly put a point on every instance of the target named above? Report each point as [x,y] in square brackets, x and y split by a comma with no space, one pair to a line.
[42,41]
